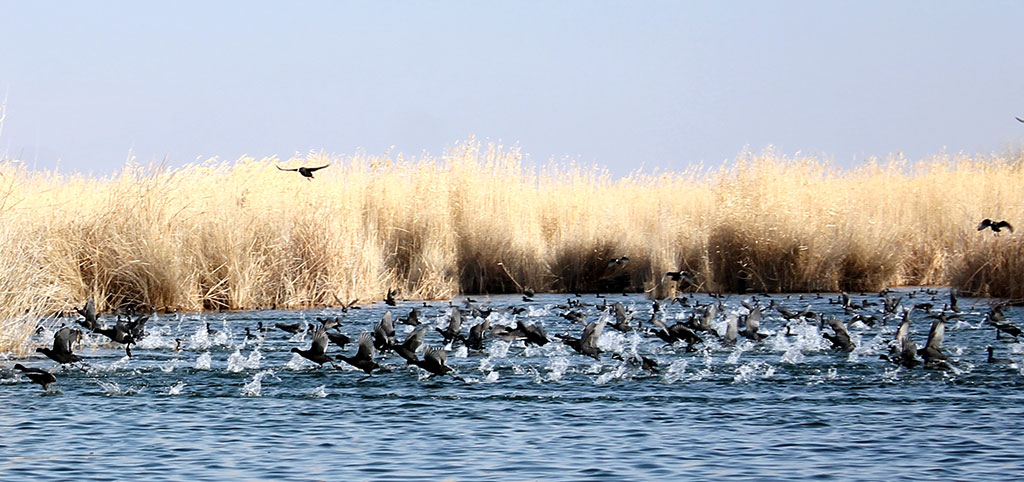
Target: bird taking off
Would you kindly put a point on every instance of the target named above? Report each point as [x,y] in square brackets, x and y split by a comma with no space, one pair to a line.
[307,172]
[994,226]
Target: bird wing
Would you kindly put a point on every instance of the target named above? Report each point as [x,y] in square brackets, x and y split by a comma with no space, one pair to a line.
[319,345]
[366,349]
[731,329]
[1019,119]
[592,332]
[660,324]
[754,320]
[984,224]
[1003,224]
[455,324]
[415,339]
[311,169]
[64,339]
[620,313]
[436,354]
[903,332]
[936,334]
[283,169]
[388,323]
[89,312]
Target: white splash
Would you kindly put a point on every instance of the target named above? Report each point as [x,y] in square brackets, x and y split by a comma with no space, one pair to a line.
[556,368]
[237,363]
[176,388]
[498,349]
[298,362]
[203,362]
[462,352]
[318,392]
[752,371]
[675,371]
[492,376]
[255,386]
[169,366]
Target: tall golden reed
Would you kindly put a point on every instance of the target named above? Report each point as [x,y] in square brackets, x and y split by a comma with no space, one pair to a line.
[237,235]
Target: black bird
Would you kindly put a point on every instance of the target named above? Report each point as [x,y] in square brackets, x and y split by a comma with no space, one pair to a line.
[42,377]
[452,332]
[339,339]
[307,172]
[476,335]
[932,351]
[534,333]
[644,362]
[389,299]
[384,334]
[620,261]
[621,318]
[363,358]
[840,337]
[435,361]
[586,344]
[407,349]
[789,314]
[683,277]
[991,357]
[997,319]
[292,328]
[61,352]
[89,313]
[412,319]
[903,351]
[994,226]
[1019,119]
[317,350]
[752,324]
[677,332]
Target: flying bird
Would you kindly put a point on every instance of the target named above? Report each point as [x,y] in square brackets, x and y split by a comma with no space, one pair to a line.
[307,172]
[1019,119]
[994,226]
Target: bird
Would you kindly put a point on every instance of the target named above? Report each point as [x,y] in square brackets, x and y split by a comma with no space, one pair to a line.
[752,324]
[452,331]
[620,261]
[677,332]
[316,352]
[840,337]
[991,357]
[292,328]
[37,375]
[997,319]
[476,335]
[307,172]
[407,349]
[932,351]
[903,351]
[435,361]
[994,226]
[586,344]
[61,352]
[412,319]
[534,333]
[363,358]
[621,319]
[89,313]
[682,277]
[339,339]
[389,299]
[1019,119]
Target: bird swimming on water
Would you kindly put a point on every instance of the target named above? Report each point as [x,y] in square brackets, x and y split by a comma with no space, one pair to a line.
[307,172]
[994,226]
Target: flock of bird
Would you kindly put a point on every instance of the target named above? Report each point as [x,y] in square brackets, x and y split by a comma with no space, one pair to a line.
[693,327]
[687,334]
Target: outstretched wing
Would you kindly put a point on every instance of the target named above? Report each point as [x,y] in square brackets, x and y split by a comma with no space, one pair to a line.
[283,169]
[936,334]
[436,354]
[592,332]
[366,349]
[415,339]
[64,339]
[1004,224]
[1019,119]
[311,169]
[319,346]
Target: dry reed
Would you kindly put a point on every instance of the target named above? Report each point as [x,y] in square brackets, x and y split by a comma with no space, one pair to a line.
[238,235]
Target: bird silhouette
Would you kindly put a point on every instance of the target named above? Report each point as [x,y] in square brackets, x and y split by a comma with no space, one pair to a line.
[994,226]
[307,172]
[363,358]
[42,377]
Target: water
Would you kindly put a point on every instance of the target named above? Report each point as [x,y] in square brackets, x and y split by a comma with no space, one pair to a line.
[224,407]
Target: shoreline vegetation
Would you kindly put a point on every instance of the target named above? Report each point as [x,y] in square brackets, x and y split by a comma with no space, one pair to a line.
[244,235]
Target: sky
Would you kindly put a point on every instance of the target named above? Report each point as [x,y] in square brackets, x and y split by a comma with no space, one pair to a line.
[621,85]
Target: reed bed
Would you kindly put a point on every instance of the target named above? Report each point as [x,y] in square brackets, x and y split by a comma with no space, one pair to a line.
[239,235]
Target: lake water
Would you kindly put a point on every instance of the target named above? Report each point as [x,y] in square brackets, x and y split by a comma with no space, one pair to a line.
[788,407]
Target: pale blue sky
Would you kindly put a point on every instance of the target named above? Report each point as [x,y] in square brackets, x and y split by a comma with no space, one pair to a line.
[617,84]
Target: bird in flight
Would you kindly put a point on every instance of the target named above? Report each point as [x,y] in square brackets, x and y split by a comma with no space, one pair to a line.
[994,226]
[1019,119]
[307,172]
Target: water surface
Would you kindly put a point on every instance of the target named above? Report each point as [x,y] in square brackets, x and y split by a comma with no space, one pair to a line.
[788,407]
